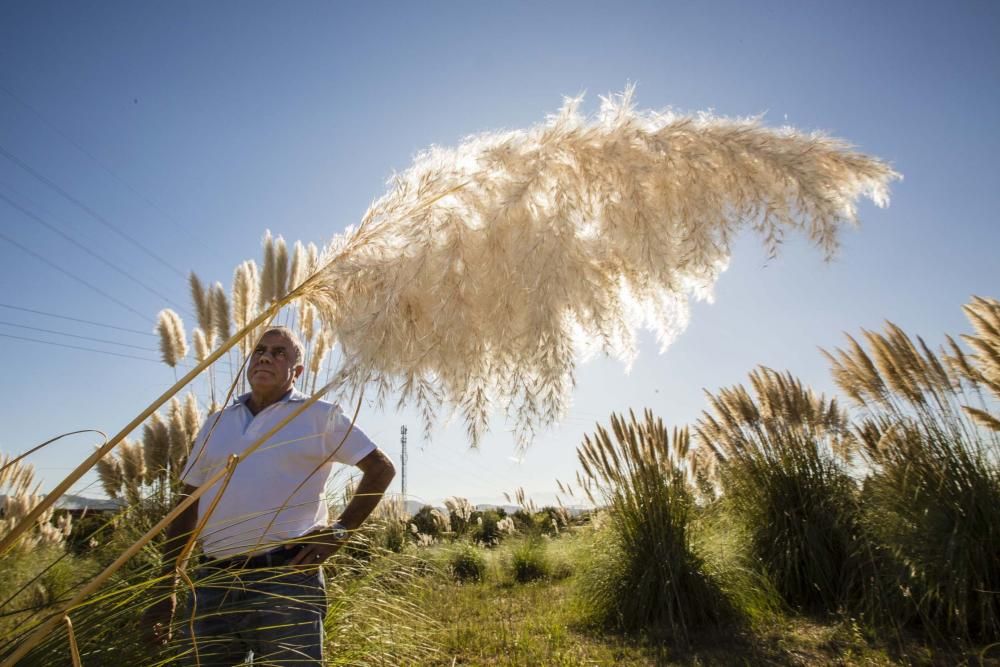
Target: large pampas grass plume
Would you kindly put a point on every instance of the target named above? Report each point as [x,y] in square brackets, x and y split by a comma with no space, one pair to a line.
[487,270]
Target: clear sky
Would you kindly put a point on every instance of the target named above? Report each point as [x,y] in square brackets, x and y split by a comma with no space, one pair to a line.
[193,127]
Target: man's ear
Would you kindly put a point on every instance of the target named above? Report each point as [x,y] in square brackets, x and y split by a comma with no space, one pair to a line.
[298,371]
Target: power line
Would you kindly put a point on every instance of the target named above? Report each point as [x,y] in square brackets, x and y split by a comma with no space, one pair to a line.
[78,347]
[69,335]
[87,250]
[76,319]
[89,211]
[52,126]
[75,277]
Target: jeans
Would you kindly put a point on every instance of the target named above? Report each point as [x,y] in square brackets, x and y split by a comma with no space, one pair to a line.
[258,616]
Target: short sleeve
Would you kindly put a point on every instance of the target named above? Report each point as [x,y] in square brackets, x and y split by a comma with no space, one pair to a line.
[347,443]
[195,469]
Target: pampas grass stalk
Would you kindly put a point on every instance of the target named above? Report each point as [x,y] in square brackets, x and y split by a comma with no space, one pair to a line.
[265,291]
[200,343]
[299,265]
[220,313]
[155,448]
[180,437]
[173,344]
[203,304]
[110,474]
[74,649]
[280,284]
[244,292]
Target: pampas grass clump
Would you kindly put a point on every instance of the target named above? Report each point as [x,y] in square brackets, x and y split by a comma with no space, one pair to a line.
[927,432]
[781,462]
[646,575]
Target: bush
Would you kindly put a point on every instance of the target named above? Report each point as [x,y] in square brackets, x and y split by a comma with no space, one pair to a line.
[431,521]
[529,562]
[933,499]
[468,564]
[644,575]
[792,498]
[485,530]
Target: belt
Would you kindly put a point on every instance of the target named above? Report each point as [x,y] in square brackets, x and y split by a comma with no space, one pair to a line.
[274,558]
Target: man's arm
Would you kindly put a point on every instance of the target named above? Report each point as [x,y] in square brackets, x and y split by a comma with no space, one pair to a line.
[377,472]
[157,618]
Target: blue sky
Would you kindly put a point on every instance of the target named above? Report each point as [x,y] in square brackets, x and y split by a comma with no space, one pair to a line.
[193,127]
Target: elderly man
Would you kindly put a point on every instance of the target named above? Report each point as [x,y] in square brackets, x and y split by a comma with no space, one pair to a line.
[261,587]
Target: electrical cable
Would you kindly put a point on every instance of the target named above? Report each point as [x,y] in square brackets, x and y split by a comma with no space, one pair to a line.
[89,211]
[75,277]
[77,319]
[92,253]
[95,340]
[55,128]
[78,347]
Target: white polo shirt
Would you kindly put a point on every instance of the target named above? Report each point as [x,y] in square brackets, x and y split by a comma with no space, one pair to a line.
[288,470]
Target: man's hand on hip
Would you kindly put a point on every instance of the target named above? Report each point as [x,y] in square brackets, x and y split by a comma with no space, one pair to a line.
[319,545]
[157,619]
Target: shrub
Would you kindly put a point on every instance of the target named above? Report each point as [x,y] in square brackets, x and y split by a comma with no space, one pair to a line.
[644,575]
[431,521]
[468,564]
[529,561]
[485,527]
[459,514]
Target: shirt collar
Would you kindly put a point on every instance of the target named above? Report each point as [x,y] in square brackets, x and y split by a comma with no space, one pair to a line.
[293,395]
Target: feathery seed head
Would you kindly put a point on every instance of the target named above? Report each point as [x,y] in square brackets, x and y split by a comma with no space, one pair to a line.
[201,347]
[487,266]
[220,312]
[202,302]
[299,266]
[280,287]
[265,293]
[173,344]
[155,448]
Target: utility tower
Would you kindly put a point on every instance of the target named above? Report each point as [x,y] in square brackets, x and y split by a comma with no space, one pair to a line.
[402,458]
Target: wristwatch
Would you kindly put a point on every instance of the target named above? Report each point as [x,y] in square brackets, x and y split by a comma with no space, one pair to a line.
[339,531]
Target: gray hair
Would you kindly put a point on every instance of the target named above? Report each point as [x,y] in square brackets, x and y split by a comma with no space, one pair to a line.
[300,350]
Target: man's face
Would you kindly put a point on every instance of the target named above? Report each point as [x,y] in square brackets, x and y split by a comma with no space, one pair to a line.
[273,365]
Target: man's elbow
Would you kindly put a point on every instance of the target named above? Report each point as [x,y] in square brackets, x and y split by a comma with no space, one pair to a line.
[387,471]
[379,467]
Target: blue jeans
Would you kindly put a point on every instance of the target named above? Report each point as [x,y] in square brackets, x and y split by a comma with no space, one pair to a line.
[262,616]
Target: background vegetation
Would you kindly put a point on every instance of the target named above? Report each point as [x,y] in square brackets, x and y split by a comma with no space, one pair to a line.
[788,529]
